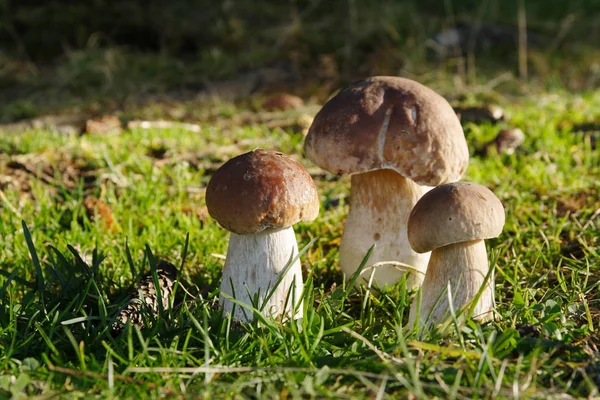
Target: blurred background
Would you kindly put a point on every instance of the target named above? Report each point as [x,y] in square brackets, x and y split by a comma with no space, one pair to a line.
[107,56]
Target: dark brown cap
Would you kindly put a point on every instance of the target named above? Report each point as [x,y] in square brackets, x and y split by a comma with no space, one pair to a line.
[259,190]
[453,213]
[393,123]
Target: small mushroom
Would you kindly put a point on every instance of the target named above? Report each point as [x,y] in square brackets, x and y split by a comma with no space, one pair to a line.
[487,113]
[397,138]
[508,140]
[258,196]
[452,222]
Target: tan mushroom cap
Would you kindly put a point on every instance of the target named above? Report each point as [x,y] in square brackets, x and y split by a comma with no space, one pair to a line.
[453,213]
[389,123]
[259,190]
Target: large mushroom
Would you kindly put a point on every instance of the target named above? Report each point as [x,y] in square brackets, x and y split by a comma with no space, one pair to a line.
[452,222]
[397,138]
[258,196]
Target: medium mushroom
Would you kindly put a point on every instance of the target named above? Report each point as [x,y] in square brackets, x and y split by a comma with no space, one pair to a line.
[258,196]
[452,222]
[397,138]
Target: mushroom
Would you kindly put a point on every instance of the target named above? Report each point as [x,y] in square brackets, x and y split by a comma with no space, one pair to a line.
[452,222]
[508,140]
[397,138]
[258,196]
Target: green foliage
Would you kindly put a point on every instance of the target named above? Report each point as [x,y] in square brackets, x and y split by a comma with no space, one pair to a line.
[95,54]
[190,26]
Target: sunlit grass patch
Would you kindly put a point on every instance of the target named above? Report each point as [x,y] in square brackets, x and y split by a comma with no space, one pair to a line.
[56,308]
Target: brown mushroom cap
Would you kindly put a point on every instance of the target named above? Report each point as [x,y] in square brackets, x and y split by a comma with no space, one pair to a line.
[453,213]
[393,123]
[259,190]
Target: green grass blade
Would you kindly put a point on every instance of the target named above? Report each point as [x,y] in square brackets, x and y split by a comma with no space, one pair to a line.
[39,276]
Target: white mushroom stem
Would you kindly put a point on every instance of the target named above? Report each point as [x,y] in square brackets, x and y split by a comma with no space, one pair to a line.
[380,204]
[253,266]
[464,266]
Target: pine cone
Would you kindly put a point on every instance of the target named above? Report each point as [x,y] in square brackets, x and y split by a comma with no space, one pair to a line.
[132,313]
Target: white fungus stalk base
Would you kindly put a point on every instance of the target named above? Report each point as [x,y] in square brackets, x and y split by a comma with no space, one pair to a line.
[464,266]
[252,268]
[380,204]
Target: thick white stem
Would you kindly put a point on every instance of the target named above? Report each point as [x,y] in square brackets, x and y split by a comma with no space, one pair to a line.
[464,267]
[380,204]
[253,266]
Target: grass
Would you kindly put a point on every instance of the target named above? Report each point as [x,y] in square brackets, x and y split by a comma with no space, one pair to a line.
[67,261]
